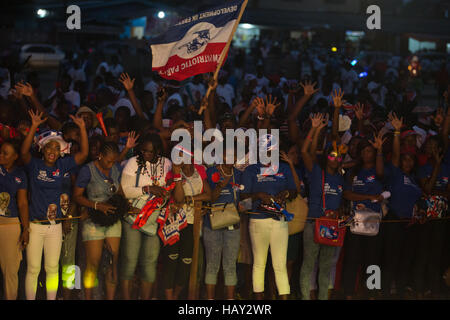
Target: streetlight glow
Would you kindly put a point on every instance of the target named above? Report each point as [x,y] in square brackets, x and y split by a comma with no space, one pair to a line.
[161,14]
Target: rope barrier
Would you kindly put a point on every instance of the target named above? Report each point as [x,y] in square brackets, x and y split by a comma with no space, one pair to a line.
[245,212]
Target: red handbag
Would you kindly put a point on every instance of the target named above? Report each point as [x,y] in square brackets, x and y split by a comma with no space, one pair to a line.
[327,230]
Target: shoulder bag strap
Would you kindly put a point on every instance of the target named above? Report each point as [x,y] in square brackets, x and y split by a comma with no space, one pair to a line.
[234,188]
[323,191]
[138,176]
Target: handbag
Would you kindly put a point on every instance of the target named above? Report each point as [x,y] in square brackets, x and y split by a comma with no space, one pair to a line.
[365,222]
[151,225]
[225,214]
[327,231]
[299,208]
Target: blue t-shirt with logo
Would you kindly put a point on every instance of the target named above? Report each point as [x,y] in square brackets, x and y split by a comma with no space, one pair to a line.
[333,186]
[366,182]
[46,187]
[426,171]
[254,181]
[226,194]
[10,182]
[405,191]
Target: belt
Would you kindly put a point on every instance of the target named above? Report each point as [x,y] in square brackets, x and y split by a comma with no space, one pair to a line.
[46,223]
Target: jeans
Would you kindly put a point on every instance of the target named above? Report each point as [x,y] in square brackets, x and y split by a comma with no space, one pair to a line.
[217,242]
[312,250]
[273,233]
[177,260]
[138,247]
[49,239]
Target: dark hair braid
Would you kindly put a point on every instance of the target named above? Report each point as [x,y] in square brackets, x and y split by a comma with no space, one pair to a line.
[155,140]
[109,148]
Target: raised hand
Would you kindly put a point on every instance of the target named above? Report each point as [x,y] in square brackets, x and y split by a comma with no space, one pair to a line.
[285,157]
[395,121]
[126,81]
[308,88]
[36,118]
[78,121]
[24,88]
[260,106]
[317,120]
[378,141]
[131,140]
[162,94]
[271,105]
[359,113]
[212,83]
[337,98]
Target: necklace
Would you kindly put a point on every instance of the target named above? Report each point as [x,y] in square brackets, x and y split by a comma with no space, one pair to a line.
[156,171]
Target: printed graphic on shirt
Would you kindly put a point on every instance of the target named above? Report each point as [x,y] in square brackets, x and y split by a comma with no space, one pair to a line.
[357,182]
[51,211]
[64,203]
[328,190]
[4,203]
[43,176]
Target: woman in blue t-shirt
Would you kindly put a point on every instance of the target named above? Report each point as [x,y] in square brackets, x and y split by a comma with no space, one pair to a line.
[262,184]
[13,204]
[222,244]
[46,177]
[364,187]
[323,177]
[405,191]
[433,178]
[101,181]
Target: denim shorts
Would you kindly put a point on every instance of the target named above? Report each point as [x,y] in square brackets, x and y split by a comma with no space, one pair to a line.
[92,231]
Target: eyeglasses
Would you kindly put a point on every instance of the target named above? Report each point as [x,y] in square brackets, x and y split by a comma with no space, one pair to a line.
[335,158]
[112,186]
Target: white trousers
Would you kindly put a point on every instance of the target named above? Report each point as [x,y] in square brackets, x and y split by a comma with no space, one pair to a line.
[273,233]
[47,238]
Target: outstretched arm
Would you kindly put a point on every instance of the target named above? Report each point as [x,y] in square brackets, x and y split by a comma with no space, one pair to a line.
[81,155]
[397,124]
[27,90]
[377,143]
[36,120]
[157,118]
[337,102]
[128,84]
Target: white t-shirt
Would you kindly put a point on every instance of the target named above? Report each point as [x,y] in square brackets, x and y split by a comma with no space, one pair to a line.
[263,82]
[152,87]
[176,96]
[72,96]
[198,91]
[227,93]
[5,85]
[103,64]
[379,96]
[348,80]
[77,74]
[124,102]
[116,70]
[128,182]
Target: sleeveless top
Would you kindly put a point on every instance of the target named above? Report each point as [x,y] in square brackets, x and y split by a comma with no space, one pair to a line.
[100,189]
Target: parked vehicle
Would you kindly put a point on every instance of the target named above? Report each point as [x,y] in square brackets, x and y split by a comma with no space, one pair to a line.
[42,55]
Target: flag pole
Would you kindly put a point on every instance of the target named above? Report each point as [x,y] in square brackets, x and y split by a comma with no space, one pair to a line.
[224,52]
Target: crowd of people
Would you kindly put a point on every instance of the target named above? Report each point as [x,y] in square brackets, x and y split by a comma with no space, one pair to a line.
[86,179]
